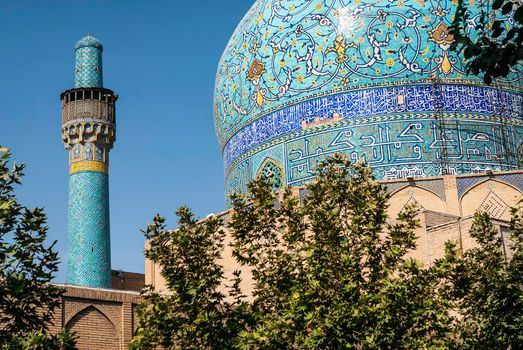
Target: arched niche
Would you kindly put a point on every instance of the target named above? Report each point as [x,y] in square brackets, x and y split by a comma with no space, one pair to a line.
[94,330]
[412,194]
[492,196]
[273,171]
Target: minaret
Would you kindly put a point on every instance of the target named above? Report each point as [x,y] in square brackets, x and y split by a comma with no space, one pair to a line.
[88,133]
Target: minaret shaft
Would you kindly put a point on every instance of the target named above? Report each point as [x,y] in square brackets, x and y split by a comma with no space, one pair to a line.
[89,252]
[88,133]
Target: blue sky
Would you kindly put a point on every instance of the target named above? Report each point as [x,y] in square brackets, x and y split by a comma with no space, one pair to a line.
[161,57]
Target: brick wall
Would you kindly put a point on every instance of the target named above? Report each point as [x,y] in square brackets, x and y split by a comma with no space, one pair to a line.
[103,319]
[123,280]
[94,330]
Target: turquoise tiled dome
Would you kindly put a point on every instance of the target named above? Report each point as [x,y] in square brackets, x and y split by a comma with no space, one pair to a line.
[375,79]
[89,41]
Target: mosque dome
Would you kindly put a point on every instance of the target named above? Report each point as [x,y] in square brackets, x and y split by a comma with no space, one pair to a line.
[301,80]
[89,41]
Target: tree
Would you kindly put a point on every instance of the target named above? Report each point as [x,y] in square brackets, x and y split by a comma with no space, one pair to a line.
[492,39]
[329,273]
[196,314]
[27,266]
[486,287]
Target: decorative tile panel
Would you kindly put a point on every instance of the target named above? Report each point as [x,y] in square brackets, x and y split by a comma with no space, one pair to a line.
[466,183]
[287,52]
[515,180]
[88,151]
[493,205]
[89,253]
[237,179]
[89,165]
[395,186]
[436,186]
[419,99]
[276,153]
[272,171]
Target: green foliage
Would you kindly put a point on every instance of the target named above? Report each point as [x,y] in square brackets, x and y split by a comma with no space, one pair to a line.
[329,273]
[27,266]
[486,287]
[196,314]
[41,341]
[493,46]
[332,273]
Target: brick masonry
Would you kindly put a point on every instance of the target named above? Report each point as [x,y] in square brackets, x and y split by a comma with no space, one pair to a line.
[102,319]
[129,281]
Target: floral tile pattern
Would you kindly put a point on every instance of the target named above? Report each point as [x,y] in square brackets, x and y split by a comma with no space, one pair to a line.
[373,80]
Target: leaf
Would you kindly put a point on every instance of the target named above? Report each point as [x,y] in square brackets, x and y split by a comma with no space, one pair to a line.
[507,8]
[487,79]
[518,14]
[510,35]
[468,53]
[497,4]
[28,300]
[496,24]
[497,32]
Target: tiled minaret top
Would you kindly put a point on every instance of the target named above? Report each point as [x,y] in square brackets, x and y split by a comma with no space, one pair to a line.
[88,69]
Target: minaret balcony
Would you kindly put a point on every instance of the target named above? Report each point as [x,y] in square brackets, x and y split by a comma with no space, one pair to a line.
[88,105]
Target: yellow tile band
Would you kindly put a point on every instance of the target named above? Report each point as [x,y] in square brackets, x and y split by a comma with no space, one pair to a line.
[89,165]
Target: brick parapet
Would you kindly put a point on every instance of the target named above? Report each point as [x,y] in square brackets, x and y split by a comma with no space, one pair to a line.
[101,294]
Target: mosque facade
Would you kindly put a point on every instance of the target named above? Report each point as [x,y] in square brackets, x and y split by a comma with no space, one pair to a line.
[297,82]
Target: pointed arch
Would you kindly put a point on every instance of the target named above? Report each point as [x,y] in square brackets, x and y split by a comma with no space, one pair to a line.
[81,307]
[422,197]
[94,328]
[273,171]
[487,180]
[493,196]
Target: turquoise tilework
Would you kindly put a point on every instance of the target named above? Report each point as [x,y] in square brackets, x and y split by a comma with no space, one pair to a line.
[89,254]
[395,148]
[276,153]
[373,80]
[88,69]
[466,183]
[88,41]
[271,171]
[238,177]
[284,52]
